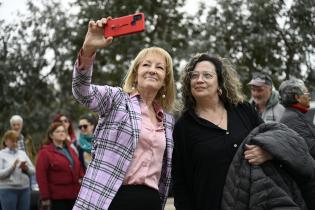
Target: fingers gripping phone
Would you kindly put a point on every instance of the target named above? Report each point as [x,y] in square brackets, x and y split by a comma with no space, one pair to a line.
[124,25]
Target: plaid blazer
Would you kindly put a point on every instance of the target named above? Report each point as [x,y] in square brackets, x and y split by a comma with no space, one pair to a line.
[116,136]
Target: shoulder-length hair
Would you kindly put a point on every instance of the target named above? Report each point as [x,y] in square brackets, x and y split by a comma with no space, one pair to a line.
[228,81]
[70,130]
[53,126]
[10,134]
[169,90]
[91,119]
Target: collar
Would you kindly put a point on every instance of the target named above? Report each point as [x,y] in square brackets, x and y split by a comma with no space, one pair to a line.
[134,94]
[11,151]
[156,106]
[59,147]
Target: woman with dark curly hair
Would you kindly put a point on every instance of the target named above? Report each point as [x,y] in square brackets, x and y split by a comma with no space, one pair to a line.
[214,121]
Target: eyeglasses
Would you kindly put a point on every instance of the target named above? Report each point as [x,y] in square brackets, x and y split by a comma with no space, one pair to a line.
[83,126]
[59,131]
[307,94]
[206,75]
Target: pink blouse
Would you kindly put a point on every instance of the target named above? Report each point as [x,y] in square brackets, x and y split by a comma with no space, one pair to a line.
[146,166]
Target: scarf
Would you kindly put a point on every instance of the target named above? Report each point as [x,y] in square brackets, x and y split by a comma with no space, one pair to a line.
[299,107]
[85,142]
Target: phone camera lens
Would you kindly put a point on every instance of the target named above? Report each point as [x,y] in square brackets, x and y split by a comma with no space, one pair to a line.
[137,17]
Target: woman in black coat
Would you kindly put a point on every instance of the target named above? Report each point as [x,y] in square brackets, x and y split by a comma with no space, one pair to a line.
[214,121]
[296,99]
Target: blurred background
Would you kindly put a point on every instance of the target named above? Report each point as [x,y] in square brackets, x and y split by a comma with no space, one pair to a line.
[39,42]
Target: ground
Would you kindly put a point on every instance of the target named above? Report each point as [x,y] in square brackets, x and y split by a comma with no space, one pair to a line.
[170,204]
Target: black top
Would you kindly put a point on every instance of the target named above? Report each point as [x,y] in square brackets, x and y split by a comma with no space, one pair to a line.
[298,122]
[202,155]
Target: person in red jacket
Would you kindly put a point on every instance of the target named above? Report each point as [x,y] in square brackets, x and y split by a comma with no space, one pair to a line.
[58,170]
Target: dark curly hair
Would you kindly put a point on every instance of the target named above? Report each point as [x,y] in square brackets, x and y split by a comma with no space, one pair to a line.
[228,81]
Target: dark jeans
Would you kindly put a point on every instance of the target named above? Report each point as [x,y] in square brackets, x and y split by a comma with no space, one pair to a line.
[136,197]
[62,204]
[12,199]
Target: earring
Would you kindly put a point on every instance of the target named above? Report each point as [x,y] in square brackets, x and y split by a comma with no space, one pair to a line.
[219,91]
[163,92]
[134,86]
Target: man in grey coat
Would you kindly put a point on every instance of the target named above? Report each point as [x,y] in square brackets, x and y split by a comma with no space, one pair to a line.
[265,98]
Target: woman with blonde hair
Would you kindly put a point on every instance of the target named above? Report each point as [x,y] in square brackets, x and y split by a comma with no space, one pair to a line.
[214,122]
[15,171]
[132,145]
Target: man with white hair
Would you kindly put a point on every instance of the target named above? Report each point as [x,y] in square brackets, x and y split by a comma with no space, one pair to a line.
[25,142]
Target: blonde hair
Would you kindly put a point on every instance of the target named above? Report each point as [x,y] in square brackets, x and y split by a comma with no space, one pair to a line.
[168,90]
[10,134]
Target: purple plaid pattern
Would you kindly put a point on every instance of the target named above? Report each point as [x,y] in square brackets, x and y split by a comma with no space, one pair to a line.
[21,143]
[116,137]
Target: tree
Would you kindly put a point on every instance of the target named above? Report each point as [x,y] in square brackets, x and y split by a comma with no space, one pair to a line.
[166,27]
[272,36]
[34,55]
[41,49]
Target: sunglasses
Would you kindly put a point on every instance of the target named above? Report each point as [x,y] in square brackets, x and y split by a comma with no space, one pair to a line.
[64,121]
[83,126]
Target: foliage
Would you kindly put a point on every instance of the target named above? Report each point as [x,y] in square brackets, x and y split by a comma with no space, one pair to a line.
[38,52]
[272,36]
[165,27]
[33,61]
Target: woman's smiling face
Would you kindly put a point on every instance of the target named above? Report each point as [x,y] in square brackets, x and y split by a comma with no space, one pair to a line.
[151,73]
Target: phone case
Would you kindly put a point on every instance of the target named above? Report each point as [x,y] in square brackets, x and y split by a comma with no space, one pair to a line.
[124,25]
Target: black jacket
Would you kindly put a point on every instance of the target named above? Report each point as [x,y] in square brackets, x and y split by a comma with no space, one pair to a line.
[297,121]
[272,185]
[203,153]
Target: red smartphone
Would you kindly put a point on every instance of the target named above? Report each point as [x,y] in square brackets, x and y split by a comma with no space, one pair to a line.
[124,25]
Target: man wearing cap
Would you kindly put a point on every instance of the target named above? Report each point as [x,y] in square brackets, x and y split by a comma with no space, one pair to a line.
[265,98]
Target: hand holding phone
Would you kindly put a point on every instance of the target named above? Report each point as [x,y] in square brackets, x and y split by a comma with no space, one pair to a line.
[94,38]
[124,25]
[23,166]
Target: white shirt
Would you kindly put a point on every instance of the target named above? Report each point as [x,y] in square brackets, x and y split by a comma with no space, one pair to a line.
[14,178]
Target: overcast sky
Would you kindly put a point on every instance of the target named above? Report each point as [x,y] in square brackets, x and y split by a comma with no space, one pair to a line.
[9,8]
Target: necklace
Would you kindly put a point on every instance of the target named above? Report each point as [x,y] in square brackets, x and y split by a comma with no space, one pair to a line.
[221,118]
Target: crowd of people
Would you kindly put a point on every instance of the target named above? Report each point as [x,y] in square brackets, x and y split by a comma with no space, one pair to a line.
[59,164]
[223,151]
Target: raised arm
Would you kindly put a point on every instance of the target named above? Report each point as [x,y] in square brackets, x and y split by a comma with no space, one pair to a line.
[91,96]
[94,38]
